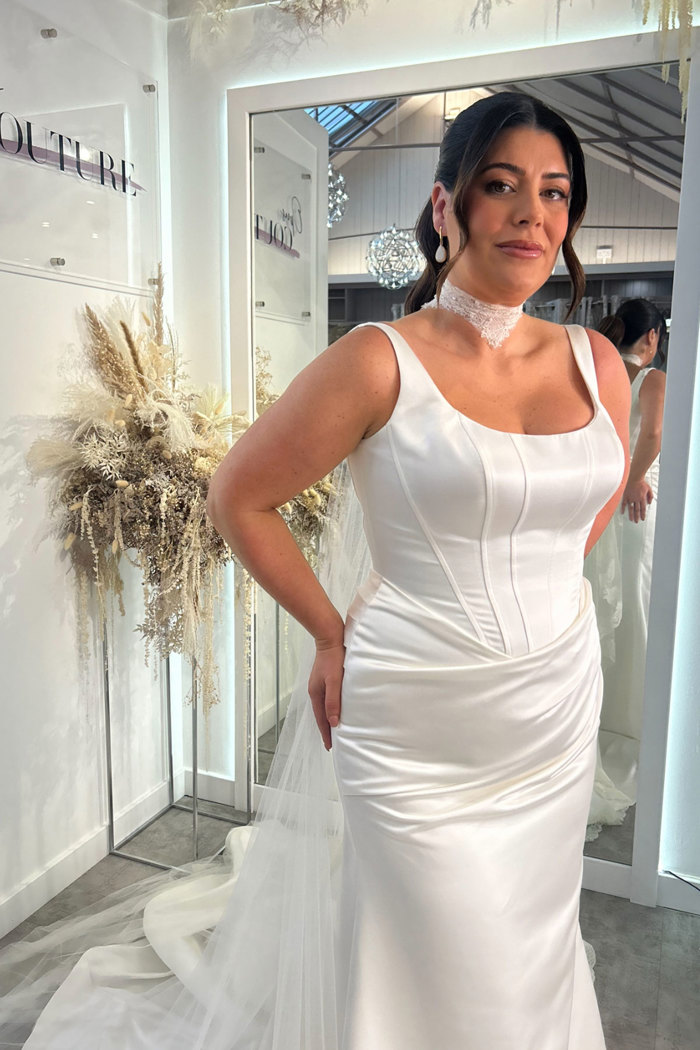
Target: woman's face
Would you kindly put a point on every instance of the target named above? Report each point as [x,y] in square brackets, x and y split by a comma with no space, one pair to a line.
[518,213]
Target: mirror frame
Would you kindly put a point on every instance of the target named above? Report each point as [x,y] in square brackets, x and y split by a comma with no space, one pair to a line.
[641,882]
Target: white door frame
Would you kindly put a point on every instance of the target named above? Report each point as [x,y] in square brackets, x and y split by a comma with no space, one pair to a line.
[640,881]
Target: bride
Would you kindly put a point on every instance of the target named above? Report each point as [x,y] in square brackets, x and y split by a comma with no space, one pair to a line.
[435,905]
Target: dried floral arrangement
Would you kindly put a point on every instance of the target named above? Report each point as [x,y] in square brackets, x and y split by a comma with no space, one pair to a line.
[129,460]
[210,21]
[668,13]
[210,17]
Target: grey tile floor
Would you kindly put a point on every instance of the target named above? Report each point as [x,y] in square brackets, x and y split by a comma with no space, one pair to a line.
[615,843]
[648,959]
[647,973]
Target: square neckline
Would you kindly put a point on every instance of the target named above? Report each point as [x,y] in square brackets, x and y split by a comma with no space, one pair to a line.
[482,426]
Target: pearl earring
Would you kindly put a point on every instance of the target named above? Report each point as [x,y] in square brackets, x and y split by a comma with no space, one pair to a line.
[441,250]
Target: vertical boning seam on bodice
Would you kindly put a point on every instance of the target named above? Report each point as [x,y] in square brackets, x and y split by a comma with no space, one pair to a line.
[406,362]
[481,452]
[431,539]
[410,365]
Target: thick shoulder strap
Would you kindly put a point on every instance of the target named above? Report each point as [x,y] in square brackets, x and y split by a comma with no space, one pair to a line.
[583,352]
[412,373]
[391,332]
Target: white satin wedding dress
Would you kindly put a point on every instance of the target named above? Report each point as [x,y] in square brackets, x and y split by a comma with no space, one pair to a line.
[437,907]
[466,745]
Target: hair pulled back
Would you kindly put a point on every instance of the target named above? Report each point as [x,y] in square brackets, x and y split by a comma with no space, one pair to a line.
[633,319]
[613,328]
[462,150]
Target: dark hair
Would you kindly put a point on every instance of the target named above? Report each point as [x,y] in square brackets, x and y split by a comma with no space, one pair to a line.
[462,150]
[639,316]
[613,328]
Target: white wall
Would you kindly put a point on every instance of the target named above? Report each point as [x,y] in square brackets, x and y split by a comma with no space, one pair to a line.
[52,764]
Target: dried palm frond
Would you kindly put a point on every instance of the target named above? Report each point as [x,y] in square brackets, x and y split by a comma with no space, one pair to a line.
[90,405]
[52,457]
[168,419]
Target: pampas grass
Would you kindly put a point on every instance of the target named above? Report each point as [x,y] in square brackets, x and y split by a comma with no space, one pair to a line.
[129,459]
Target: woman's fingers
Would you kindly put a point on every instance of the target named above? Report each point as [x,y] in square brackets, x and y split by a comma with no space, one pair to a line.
[318,705]
[324,691]
[333,699]
[637,502]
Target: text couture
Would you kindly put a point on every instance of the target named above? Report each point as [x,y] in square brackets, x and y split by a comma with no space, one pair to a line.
[19,138]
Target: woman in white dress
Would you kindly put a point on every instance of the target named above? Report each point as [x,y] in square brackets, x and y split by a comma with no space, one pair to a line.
[461,694]
[621,579]
[488,451]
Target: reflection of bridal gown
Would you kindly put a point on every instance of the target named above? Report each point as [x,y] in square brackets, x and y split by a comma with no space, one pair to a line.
[464,759]
[620,572]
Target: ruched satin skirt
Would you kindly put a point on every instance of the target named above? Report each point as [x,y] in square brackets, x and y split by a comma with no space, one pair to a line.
[465,777]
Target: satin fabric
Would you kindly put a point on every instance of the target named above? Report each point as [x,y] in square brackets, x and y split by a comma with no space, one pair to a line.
[466,746]
[627,548]
[470,703]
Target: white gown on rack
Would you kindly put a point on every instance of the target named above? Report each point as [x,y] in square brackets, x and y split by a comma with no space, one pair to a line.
[437,907]
[466,746]
[625,553]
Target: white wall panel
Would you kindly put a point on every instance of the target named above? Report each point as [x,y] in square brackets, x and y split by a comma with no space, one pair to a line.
[52,767]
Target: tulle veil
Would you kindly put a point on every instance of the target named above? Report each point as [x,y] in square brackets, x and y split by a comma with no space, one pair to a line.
[232,953]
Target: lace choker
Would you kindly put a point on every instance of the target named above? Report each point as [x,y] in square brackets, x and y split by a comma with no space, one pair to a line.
[493,321]
[632,358]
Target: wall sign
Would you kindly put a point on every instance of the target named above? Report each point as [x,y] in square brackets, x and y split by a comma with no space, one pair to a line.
[281,227]
[23,140]
[280,232]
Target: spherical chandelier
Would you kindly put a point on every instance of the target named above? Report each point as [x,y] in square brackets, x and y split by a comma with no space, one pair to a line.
[394,258]
[337,196]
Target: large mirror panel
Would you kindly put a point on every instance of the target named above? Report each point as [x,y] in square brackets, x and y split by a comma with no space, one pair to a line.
[382,155]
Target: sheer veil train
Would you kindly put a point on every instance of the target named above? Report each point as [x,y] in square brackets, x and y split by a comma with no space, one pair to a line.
[232,953]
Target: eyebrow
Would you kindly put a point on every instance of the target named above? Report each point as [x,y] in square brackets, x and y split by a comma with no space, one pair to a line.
[520,171]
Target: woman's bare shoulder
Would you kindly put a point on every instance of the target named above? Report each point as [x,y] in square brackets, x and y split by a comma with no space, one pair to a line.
[653,386]
[654,380]
[360,368]
[362,355]
[609,365]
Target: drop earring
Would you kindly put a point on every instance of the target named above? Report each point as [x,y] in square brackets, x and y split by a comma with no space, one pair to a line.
[441,250]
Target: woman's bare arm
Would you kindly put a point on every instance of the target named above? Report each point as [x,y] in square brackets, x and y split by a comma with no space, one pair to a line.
[317,421]
[638,492]
[651,405]
[615,393]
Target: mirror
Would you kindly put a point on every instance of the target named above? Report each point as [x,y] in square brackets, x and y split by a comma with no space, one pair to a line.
[382,154]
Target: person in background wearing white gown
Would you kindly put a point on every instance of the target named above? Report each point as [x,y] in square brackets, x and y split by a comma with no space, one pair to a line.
[620,566]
